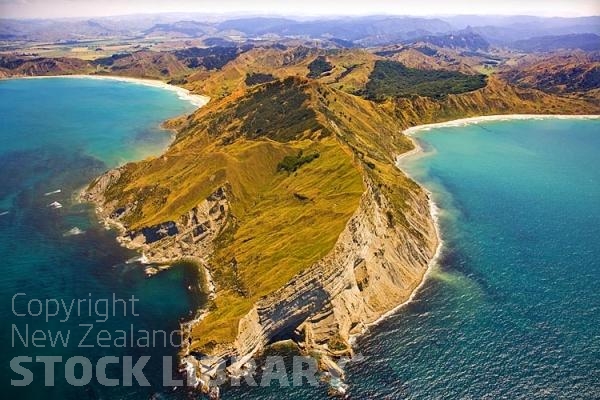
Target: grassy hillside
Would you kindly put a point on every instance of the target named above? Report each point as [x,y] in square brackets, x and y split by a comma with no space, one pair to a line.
[574,74]
[348,69]
[35,66]
[426,56]
[498,97]
[144,64]
[286,225]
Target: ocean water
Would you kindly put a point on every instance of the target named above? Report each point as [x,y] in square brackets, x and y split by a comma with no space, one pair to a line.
[512,310]
[60,134]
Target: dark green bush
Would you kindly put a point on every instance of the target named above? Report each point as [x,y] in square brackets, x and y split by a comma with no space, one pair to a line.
[393,79]
[319,66]
[258,78]
[292,163]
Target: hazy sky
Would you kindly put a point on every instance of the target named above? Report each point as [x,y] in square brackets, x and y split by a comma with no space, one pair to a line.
[72,8]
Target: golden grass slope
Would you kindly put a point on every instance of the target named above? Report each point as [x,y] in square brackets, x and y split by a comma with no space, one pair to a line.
[351,68]
[576,74]
[498,97]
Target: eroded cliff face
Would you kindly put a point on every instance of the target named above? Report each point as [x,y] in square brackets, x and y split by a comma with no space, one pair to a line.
[191,236]
[373,268]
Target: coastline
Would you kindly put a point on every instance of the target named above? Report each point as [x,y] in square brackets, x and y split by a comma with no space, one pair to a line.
[434,213]
[434,210]
[184,94]
[487,118]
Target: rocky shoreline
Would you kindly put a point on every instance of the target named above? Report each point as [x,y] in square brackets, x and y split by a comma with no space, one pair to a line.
[372,269]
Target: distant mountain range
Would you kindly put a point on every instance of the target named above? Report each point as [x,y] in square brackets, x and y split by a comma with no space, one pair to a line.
[505,30]
[583,41]
[461,40]
[187,28]
[469,32]
[367,29]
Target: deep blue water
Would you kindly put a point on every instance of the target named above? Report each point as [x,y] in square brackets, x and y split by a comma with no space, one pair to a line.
[60,134]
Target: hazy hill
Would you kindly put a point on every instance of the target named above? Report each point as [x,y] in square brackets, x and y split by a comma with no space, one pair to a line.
[508,29]
[59,30]
[33,66]
[180,28]
[464,40]
[582,41]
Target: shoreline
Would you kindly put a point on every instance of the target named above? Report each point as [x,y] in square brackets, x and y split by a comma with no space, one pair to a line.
[197,100]
[434,210]
[487,118]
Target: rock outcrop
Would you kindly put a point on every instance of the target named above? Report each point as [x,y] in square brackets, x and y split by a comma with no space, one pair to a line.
[191,236]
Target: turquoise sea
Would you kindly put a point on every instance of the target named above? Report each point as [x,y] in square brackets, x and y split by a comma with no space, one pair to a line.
[511,311]
[60,134]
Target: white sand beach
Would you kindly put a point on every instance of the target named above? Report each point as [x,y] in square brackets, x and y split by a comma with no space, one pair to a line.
[183,94]
[491,118]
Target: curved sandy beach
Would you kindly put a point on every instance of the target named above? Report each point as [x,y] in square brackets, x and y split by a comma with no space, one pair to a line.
[183,94]
[490,118]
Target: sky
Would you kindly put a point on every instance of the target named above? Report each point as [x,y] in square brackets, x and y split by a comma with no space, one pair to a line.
[94,8]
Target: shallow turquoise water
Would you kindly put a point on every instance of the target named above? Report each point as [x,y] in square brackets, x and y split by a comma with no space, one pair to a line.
[59,134]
